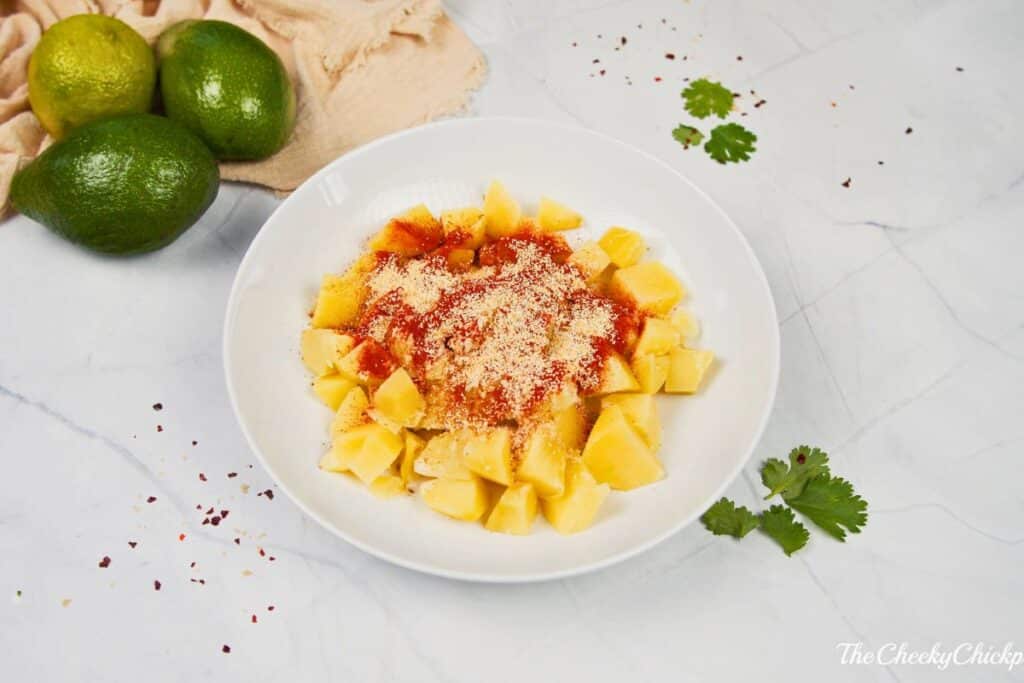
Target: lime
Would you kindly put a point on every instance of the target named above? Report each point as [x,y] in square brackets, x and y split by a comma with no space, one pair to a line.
[87,67]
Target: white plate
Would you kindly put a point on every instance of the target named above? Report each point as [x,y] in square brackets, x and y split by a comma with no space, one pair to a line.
[322,226]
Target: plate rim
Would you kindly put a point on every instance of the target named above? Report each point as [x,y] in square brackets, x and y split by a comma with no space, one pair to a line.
[481,577]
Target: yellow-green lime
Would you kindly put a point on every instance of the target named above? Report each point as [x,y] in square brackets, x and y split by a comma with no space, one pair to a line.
[87,67]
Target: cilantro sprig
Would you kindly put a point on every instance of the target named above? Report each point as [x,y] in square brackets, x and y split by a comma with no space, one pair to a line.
[728,142]
[806,486]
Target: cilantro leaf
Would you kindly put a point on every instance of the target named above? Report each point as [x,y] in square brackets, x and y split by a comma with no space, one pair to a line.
[804,463]
[730,142]
[704,97]
[831,503]
[687,136]
[779,523]
[725,519]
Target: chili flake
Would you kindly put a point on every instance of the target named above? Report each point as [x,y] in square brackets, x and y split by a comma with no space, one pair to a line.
[158,406]
[105,562]
[156,585]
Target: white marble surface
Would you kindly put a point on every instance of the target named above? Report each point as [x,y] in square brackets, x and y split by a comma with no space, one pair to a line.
[903,354]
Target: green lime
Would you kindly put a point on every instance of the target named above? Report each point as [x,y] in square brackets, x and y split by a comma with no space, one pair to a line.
[88,67]
[123,185]
[226,86]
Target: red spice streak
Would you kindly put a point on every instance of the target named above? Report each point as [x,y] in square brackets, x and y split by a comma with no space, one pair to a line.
[376,360]
[413,236]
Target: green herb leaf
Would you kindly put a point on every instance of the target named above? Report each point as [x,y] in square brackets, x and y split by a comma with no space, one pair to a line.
[704,97]
[779,523]
[804,463]
[725,519]
[831,503]
[687,136]
[730,142]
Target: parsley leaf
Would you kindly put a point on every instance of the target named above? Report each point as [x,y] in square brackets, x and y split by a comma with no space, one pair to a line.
[804,463]
[779,523]
[831,503]
[704,97]
[730,142]
[687,136]
[725,519]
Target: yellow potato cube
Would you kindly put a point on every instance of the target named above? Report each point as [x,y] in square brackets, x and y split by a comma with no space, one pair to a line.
[658,338]
[321,349]
[501,211]
[575,509]
[351,413]
[489,455]
[624,247]
[688,326]
[368,450]
[339,300]
[398,399]
[641,411]
[514,511]
[616,376]
[617,455]
[687,369]
[464,227]
[443,457]
[568,424]
[650,372]
[553,216]
[388,485]
[332,389]
[413,447]
[414,232]
[650,285]
[460,259]
[332,462]
[591,260]
[465,499]
[352,366]
[543,463]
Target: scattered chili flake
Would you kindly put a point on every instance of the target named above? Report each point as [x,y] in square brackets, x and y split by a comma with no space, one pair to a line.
[959,68]
[760,103]
[262,554]
[209,511]
[224,514]
[232,475]
[852,88]
[909,130]
[657,79]
[156,585]
[271,558]
[201,582]
[596,61]
[202,477]
[622,40]
[669,55]
[132,544]
[881,163]
[739,58]
[845,183]
[193,564]
[151,499]
[270,608]
[105,562]
[269,494]
[225,649]
[195,443]
[159,428]
[215,520]
[574,44]
[601,72]
[181,537]
[238,541]
[158,406]
[833,104]
[206,521]
[254,618]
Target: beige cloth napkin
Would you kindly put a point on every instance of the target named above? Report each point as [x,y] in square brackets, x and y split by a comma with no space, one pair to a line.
[361,69]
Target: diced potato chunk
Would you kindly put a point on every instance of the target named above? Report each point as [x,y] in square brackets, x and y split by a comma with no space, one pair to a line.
[568,424]
[616,376]
[624,247]
[366,354]
[388,485]
[414,232]
[688,326]
[321,349]
[687,369]
[368,450]
[515,510]
[658,338]
[543,463]
[460,259]
[553,216]
[489,455]
[501,210]
[650,372]
[591,260]
[413,447]
[332,389]
[332,462]
[464,499]
[398,399]
[617,455]
[650,285]
[443,457]
[464,227]
[575,509]
[351,413]
[339,300]
[641,411]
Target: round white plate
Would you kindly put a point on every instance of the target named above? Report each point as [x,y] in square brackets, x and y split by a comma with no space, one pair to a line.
[322,227]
